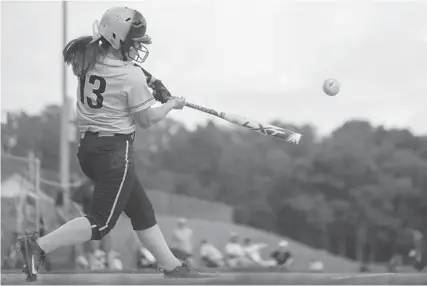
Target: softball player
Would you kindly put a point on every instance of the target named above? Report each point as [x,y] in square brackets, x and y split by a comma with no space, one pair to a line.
[113,96]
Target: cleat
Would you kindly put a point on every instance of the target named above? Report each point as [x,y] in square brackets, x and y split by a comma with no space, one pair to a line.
[32,255]
[183,271]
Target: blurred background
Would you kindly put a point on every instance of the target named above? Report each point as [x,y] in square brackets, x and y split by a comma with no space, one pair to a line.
[351,197]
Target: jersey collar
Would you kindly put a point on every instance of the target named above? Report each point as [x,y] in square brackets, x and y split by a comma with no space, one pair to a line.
[108,61]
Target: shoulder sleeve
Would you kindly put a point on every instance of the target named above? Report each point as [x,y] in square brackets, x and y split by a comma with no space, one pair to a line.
[138,93]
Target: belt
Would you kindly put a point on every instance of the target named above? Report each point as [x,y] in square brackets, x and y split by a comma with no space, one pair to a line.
[104,134]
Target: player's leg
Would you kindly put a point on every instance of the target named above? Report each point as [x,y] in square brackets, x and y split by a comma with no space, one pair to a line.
[106,162]
[34,249]
[141,212]
[112,186]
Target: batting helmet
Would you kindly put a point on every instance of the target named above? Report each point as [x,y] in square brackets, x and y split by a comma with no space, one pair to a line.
[124,28]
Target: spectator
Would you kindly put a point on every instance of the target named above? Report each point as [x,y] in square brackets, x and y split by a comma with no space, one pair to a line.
[11,259]
[394,263]
[418,250]
[210,255]
[82,264]
[97,260]
[316,266]
[364,268]
[282,255]
[114,262]
[182,241]
[408,248]
[252,251]
[145,259]
[235,255]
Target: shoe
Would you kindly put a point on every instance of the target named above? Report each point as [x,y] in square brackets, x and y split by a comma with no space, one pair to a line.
[32,255]
[183,271]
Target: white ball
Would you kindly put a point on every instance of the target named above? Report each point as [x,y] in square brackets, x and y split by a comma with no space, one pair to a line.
[331,87]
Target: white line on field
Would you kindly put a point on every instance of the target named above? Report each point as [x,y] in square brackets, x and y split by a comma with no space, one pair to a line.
[361,276]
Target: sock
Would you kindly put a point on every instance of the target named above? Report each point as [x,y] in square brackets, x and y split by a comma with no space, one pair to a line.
[73,232]
[154,241]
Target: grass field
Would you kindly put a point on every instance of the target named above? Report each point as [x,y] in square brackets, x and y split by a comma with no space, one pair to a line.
[126,243]
[220,279]
[218,233]
[341,271]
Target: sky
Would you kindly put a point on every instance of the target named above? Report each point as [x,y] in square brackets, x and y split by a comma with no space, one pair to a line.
[263,59]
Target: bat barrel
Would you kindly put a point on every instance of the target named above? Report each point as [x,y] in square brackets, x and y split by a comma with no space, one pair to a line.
[266,129]
[290,137]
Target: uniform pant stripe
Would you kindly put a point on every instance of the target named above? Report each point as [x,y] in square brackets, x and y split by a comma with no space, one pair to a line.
[120,188]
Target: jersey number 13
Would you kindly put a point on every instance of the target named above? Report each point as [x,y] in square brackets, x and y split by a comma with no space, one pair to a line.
[97,91]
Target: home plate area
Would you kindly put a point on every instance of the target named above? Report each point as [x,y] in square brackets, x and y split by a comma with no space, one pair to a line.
[219,279]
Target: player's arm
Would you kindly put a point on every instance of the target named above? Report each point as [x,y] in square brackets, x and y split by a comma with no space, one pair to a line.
[140,102]
[150,116]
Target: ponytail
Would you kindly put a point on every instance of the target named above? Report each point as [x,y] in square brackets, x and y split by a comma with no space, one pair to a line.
[82,53]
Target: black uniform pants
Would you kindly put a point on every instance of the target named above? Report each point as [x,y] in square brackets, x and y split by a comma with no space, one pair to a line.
[108,162]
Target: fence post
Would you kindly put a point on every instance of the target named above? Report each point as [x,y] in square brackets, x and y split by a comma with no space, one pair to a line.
[37,183]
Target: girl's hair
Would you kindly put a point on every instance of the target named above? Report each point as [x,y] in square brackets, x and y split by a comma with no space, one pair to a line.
[81,54]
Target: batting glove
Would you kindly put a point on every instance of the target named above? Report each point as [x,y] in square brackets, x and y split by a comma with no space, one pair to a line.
[160,92]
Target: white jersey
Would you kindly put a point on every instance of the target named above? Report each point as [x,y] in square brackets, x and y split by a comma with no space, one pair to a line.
[182,240]
[110,94]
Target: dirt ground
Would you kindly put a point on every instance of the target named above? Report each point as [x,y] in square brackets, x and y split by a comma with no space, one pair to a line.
[219,279]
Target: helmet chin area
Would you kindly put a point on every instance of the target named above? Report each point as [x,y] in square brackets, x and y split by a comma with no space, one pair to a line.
[139,53]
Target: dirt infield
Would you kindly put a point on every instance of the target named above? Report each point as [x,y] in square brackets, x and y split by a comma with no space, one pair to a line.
[220,279]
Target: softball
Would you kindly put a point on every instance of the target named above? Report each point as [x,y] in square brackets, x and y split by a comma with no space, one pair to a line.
[331,87]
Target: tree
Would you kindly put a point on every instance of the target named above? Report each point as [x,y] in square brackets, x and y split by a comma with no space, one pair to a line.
[352,188]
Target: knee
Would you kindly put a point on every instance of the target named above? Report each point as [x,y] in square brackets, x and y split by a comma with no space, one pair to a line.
[146,220]
[100,227]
